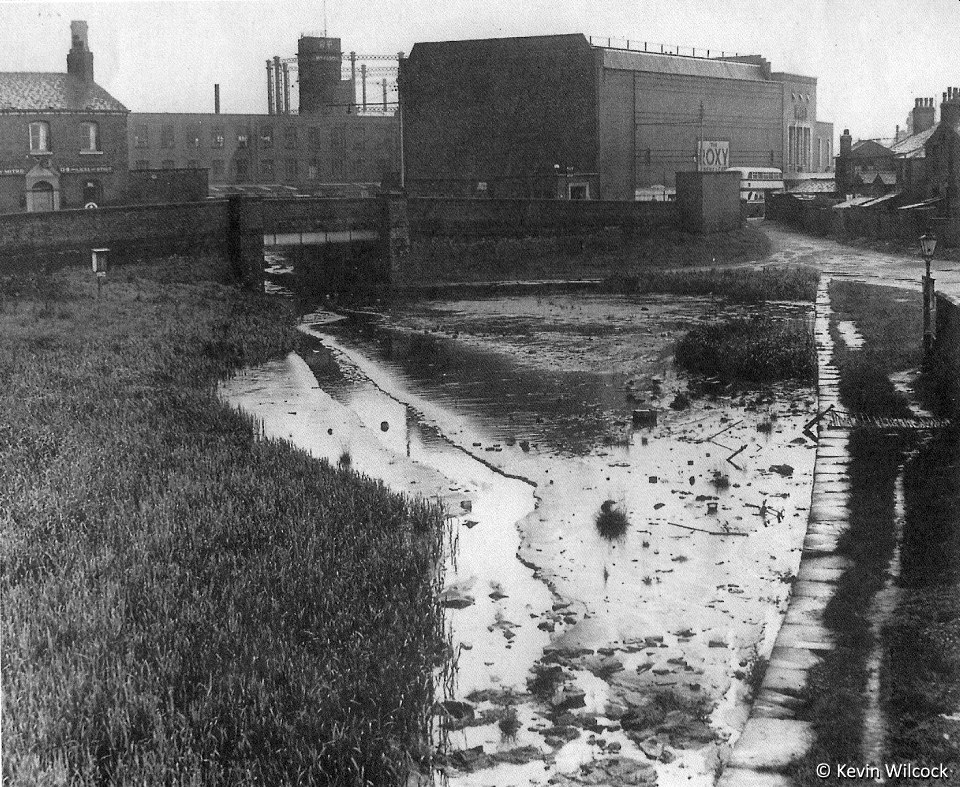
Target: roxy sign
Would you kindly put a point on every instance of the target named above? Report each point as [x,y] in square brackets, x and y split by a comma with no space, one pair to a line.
[713,156]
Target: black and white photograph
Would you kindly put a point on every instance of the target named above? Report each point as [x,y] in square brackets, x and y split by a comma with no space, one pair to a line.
[479,394]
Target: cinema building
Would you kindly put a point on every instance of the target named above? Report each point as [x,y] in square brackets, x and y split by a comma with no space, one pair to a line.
[572,117]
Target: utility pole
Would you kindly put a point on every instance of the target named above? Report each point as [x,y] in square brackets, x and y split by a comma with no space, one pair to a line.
[700,141]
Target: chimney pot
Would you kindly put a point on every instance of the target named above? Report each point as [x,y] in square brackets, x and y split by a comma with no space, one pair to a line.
[79,58]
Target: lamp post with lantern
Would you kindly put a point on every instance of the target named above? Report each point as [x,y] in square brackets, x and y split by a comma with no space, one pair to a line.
[928,246]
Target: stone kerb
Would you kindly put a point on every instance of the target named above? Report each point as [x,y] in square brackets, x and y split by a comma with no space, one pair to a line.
[774,736]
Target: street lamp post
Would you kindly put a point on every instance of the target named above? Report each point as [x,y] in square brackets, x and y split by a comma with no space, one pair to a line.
[928,245]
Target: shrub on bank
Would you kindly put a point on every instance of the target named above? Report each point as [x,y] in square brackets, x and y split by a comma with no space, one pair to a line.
[744,285]
[185,603]
[757,350]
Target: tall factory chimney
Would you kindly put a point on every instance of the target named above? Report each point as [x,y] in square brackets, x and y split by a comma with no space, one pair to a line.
[79,58]
[216,99]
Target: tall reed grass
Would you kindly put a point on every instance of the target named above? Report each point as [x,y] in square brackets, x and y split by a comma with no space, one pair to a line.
[758,350]
[184,603]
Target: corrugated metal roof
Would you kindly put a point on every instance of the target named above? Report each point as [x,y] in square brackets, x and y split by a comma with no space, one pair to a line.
[686,66]
[923,204]
[819,186]
[853,202]
[880,200]
[46,92]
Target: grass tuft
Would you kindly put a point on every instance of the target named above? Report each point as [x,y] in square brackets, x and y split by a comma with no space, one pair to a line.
[612,521]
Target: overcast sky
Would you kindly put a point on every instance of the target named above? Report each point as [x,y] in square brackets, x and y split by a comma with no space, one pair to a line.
[871,57]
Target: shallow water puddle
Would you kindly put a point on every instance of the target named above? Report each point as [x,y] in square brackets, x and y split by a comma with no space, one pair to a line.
[849,334]
[526,451]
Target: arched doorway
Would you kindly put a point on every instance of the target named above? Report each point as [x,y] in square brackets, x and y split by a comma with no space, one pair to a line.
[42,197]
[42,187]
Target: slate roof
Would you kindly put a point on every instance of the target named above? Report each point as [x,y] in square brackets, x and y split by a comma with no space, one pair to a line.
[50,92]
[912,147]
[628,60]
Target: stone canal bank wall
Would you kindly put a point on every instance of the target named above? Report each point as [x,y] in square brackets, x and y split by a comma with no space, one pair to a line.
[945,361]
[774,736]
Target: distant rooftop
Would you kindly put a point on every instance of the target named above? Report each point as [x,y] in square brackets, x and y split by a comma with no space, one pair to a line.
[912,146]
[53,92]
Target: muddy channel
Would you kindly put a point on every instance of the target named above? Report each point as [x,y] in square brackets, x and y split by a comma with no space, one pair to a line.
[587,649]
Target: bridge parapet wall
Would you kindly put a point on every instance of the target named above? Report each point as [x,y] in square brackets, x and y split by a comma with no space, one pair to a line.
[147,230]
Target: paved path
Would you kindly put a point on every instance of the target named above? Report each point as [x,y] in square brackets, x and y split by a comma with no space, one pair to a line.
[773,736]
[874,267]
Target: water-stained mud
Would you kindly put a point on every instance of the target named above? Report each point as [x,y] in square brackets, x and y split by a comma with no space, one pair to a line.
[581,651]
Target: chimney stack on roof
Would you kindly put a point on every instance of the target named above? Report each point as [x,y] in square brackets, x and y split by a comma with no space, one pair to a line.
[923,115]
[80,58]
[950,108]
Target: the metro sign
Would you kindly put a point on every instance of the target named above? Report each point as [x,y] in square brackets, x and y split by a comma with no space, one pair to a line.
[713,156]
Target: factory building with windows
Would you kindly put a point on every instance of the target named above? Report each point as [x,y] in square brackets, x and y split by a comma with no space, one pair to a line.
[565,116]
[335,142]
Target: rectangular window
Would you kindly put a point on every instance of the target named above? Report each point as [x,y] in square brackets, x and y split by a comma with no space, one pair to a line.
[89,137]
[216,137]
[141,136]
[292,169]
[166,135]
[266,169]
[242,139]
[314,138]
[313,172]
[216,167]
[40,137]
[266,137]
[191,136]
[290,137]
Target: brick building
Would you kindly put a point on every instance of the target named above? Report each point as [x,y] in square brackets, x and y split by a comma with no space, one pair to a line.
[559,116]
[63,138]
[942,157]
[306,150]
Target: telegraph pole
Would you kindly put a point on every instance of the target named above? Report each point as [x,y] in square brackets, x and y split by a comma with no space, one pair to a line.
[700,141]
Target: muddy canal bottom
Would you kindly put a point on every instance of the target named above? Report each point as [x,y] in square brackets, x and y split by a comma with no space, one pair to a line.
[612,580]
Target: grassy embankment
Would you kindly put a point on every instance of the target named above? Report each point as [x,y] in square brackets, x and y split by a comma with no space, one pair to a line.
[921,674]
[922,647]
[599,255]
[184,603]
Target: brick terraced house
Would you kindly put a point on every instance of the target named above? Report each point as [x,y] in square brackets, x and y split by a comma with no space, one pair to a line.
[63,138]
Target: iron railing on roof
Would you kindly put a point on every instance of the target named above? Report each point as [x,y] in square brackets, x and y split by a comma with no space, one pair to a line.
[659,48]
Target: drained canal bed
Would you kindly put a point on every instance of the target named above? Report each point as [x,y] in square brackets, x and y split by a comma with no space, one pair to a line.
[614,581]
